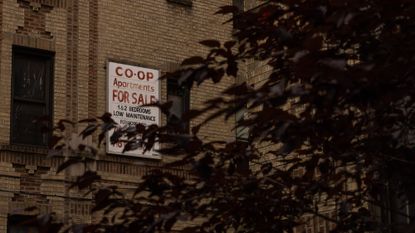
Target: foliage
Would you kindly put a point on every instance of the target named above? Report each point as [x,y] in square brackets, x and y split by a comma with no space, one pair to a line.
[336,108]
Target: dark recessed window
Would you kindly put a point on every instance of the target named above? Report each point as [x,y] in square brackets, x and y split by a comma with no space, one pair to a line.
[239,4]
[22,224]
[31,96]
[180,96]
[396,209]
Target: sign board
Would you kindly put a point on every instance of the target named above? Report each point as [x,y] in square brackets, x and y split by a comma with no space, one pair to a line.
[130,87]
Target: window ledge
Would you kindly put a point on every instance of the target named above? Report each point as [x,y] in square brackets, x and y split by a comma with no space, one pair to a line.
[187,3]
[24,149]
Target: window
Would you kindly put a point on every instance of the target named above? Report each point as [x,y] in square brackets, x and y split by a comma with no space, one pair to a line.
[239,4]
[22,224]
[396,210]
[180,96]
[32,72]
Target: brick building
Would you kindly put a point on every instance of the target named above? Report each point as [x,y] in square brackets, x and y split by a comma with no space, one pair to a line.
[54,56]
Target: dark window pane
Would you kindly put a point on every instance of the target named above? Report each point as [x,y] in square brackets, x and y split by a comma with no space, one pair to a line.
[22,224]
[25,130]
[179,95]
[30,77]
[178,105]
[174,88]
[239,4]
[32,74]
[22,229]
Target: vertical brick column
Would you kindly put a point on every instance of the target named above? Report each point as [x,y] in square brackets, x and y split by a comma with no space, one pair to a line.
[72,57]
[93,58]
[1,27]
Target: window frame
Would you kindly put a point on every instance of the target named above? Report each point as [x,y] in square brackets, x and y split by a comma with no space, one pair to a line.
[49,92]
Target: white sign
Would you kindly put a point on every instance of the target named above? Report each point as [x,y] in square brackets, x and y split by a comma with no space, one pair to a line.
[130,87]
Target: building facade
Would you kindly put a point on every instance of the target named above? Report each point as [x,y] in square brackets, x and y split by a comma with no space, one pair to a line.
[54,58]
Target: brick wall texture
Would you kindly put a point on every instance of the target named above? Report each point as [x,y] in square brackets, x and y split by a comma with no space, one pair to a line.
[85,35]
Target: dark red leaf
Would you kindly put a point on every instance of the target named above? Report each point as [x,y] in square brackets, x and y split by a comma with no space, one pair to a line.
[90,120]
[87,179]
[169,223]
[193,60]
[210,43]
[229,44]
[232,69]
[131,145]
[106,118]
[90,129]
[68,163]
[227,9]
[54,140]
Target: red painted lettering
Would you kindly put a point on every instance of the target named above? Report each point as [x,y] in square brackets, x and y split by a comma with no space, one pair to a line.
[149,76]
[121,96]
[118,71]
[129,73]
[141,75]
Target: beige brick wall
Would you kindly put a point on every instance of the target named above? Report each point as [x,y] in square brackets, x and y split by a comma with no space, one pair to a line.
[155,34]
[84,34]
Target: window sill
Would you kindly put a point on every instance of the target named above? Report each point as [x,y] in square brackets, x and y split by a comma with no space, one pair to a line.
[25,149]
[187,3]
